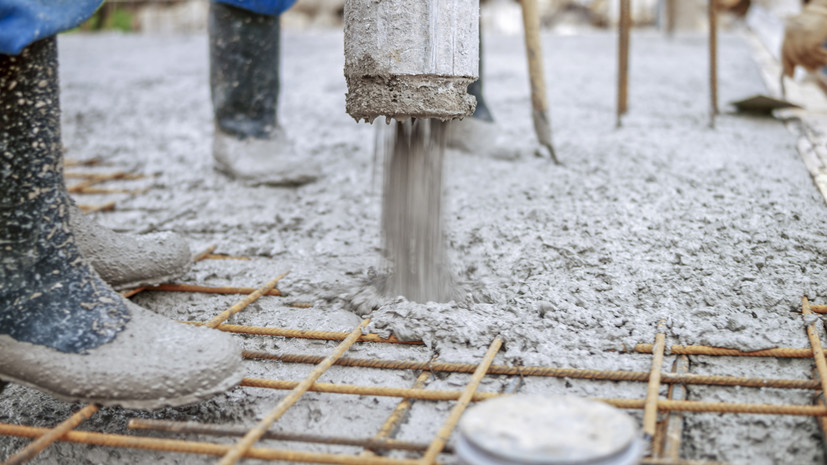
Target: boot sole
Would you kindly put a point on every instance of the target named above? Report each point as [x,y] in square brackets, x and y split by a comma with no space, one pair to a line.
[139,404]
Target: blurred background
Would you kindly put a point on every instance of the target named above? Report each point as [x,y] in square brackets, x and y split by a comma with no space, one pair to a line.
[501,16]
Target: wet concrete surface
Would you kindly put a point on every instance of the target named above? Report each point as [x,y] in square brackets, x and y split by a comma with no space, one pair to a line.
[717,233]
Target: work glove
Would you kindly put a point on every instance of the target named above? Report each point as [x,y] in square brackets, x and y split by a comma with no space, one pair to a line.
[804,39]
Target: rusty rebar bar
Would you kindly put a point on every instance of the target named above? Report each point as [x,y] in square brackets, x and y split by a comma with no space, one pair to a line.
[444,433]
[650,411]
[673,431]
[241,447]
[388,429]
[575,373]
[104,207]
[195,447]
[713,60]
[818,308]
[171,287]
[45,440]
[780,352]
[193,427]
[305,334]
[226,314]
[634,404]
[624,23]
[95,179]
[204,254]
[221,256]
[815,343]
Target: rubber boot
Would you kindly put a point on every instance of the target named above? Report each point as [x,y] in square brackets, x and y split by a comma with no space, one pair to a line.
[479,134]
[126,261]
[244,82]
[62,329]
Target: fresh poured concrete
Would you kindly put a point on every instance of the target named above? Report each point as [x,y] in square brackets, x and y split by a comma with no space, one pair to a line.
[718,233]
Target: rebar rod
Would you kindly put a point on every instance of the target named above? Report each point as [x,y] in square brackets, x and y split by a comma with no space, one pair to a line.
[195,447]
[208,289]
[575,373]
[380,391]
[97,179]
[44,441]
[192,427]
[650,411]
[305,334]
[241,447]
[396,417]
[674,423]
[444,433]
[104,207]
[818,308]
[624,23]
[635,404]
[221,256]
[815,343]
[713,61]
[226,314]
[780,352]
[203,255]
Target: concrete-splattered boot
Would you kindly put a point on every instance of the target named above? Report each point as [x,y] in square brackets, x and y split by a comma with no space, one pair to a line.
[125,261]
[479,134]
[244,81]
[62,329]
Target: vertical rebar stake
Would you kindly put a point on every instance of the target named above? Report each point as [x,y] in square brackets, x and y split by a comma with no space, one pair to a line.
[624,24]
[713,61]
[650,410]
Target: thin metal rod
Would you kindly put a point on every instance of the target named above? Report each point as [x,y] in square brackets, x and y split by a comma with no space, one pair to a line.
[624,24]
[815,343]
[304,334]
[195,447]
[398,415]
[650,411]
[638,404]
[202,255]
[781,352]
[447,428]
[38,445]
[713,61]
[673,432]
[380,391]
[226,314]
[193,427]
[818,308]
[209,289]
[576,373]
[105,207]
[241,447]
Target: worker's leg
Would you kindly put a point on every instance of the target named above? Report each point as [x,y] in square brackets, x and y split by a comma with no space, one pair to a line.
[62,329]
[479,134]
[244,81]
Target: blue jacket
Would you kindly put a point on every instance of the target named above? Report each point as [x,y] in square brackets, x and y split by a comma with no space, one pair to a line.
[25,21]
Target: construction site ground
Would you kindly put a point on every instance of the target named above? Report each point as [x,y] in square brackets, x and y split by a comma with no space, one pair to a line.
[713,235]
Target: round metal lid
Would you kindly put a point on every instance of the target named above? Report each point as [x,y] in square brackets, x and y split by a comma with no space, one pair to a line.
[548,430]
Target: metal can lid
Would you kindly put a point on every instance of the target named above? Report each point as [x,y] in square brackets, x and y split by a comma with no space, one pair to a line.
[548,430]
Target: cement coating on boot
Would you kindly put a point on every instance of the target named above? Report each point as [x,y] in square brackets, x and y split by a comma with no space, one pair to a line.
[48,295]
[262,162]
[154,362]
[127,260]
[480,137]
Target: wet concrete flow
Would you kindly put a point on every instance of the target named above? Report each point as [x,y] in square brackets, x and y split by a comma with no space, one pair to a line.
[716,232]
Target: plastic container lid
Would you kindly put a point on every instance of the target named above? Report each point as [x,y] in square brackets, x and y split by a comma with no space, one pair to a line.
[547,430]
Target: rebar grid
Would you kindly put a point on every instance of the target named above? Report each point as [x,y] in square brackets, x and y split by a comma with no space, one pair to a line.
[652,404]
